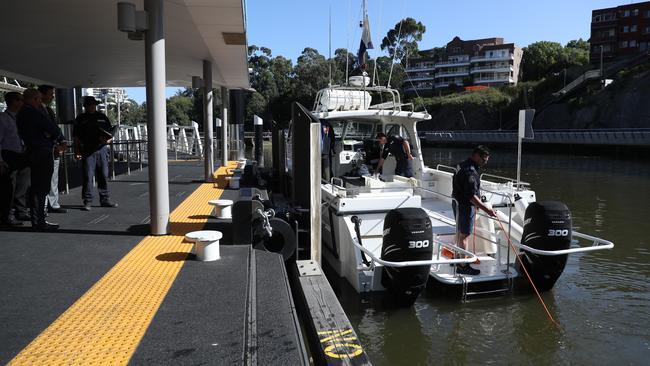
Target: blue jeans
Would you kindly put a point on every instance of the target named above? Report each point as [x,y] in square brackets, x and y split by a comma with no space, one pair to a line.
[95,165]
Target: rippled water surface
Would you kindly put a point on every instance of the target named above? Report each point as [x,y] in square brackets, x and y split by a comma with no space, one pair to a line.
[602,301]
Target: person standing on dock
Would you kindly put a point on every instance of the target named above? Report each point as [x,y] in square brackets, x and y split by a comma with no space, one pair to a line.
[466,192]
[40,135]
[398,147]
[92,132]
[12,157]
[52,200]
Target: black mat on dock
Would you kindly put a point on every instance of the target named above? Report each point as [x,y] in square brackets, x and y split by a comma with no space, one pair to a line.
[232,311]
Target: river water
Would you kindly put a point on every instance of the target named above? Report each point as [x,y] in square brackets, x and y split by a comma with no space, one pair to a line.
[601,301]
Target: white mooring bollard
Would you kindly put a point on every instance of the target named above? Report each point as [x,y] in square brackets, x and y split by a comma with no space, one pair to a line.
[206,244]
[222,208]
[233,182]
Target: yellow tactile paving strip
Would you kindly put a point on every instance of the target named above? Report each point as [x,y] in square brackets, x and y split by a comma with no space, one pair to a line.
[105,326]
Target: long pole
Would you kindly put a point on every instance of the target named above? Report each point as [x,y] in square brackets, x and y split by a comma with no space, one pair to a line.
[208,146]
[156,117]
[225,101]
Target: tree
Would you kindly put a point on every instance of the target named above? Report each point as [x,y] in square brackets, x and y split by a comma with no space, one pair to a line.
[541,58]
[383,72]
[311,75]
[342,58]
[179,109]
[402,41]
[576,53]
[133,113]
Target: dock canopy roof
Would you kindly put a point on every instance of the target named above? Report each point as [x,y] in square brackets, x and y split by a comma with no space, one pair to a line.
[76,43]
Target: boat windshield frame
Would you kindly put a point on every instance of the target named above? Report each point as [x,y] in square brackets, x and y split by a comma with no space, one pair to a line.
[393,100]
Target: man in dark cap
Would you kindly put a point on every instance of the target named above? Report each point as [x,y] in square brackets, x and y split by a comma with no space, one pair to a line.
[92,131]
[40,135]
[466,193]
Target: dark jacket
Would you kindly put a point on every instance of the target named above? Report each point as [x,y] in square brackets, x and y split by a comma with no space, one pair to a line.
[38,130]
[466,182]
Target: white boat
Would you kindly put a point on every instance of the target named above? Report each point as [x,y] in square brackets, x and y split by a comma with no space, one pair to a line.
[394,233]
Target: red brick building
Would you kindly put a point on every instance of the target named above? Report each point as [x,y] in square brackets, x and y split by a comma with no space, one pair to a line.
[620,31]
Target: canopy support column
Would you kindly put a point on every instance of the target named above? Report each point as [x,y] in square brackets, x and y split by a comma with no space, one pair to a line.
[208,146]
[156,117]
[225,101]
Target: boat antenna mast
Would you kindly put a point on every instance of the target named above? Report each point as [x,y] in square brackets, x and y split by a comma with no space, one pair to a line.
[330,44]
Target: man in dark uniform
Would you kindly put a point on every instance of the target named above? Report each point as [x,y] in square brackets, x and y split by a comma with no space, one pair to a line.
[466,192]
[12,157]
[40,134]
[92,131]
[400,149]
[52,199]
[327,149]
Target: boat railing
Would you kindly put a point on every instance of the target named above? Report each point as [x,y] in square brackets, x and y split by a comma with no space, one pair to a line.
[470,257]
[507,179]
[454,170]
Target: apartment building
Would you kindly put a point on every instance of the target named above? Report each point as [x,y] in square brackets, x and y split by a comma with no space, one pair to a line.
[620,31]
[112,95]
[487,62]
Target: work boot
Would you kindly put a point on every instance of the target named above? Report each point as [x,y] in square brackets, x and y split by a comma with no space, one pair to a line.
[86,206]
[467,270]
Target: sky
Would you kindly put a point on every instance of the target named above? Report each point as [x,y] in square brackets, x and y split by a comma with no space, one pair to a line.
[288,26]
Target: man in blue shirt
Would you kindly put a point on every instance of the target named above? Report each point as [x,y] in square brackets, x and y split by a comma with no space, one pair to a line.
[466,193]
[40,134]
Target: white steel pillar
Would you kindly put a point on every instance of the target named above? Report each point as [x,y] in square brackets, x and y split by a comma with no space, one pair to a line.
[208,153]
[156,117]
[225,101]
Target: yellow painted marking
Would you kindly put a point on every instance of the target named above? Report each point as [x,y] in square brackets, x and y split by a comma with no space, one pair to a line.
[339,346]
[106,324]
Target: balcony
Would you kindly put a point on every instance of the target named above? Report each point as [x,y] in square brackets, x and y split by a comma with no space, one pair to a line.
[509,56]
[420,68]
[419,87]
[419,78]
[494,79]
[452,74]
[492,68]
[445,64]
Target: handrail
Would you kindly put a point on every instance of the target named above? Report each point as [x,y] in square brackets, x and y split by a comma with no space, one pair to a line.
[598,244]
[446,167]
[472,257]
[521,183]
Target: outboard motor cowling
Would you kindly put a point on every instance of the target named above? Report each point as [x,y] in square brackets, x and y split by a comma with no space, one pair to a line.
[547,226]
[407,237]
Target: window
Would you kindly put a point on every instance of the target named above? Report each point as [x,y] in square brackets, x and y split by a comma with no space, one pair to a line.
[622,44]
[597,18]
[635,12]
[612,32]
[632,44]
[647,14]
[625,29]
[626,14]
[633,28]
[608,17]
[646,30]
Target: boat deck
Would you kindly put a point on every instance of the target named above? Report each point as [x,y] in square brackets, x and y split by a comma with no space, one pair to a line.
[100,291]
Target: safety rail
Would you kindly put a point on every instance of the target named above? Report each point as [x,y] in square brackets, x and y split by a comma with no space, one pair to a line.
[446,167]
[521,183]
[471,259]
[597,244]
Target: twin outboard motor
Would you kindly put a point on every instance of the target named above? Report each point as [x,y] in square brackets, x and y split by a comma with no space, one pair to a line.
[407,237]
[547,226]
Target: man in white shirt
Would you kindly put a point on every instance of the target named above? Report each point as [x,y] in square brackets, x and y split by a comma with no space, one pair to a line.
[12,157]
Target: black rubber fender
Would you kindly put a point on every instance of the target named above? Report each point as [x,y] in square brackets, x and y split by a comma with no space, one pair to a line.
[283,240]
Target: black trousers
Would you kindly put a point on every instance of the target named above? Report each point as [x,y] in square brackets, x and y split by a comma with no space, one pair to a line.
[16,162]
[42,166]
[21,193]
[95,165]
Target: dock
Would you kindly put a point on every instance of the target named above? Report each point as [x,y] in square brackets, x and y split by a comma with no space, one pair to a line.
[100,291]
